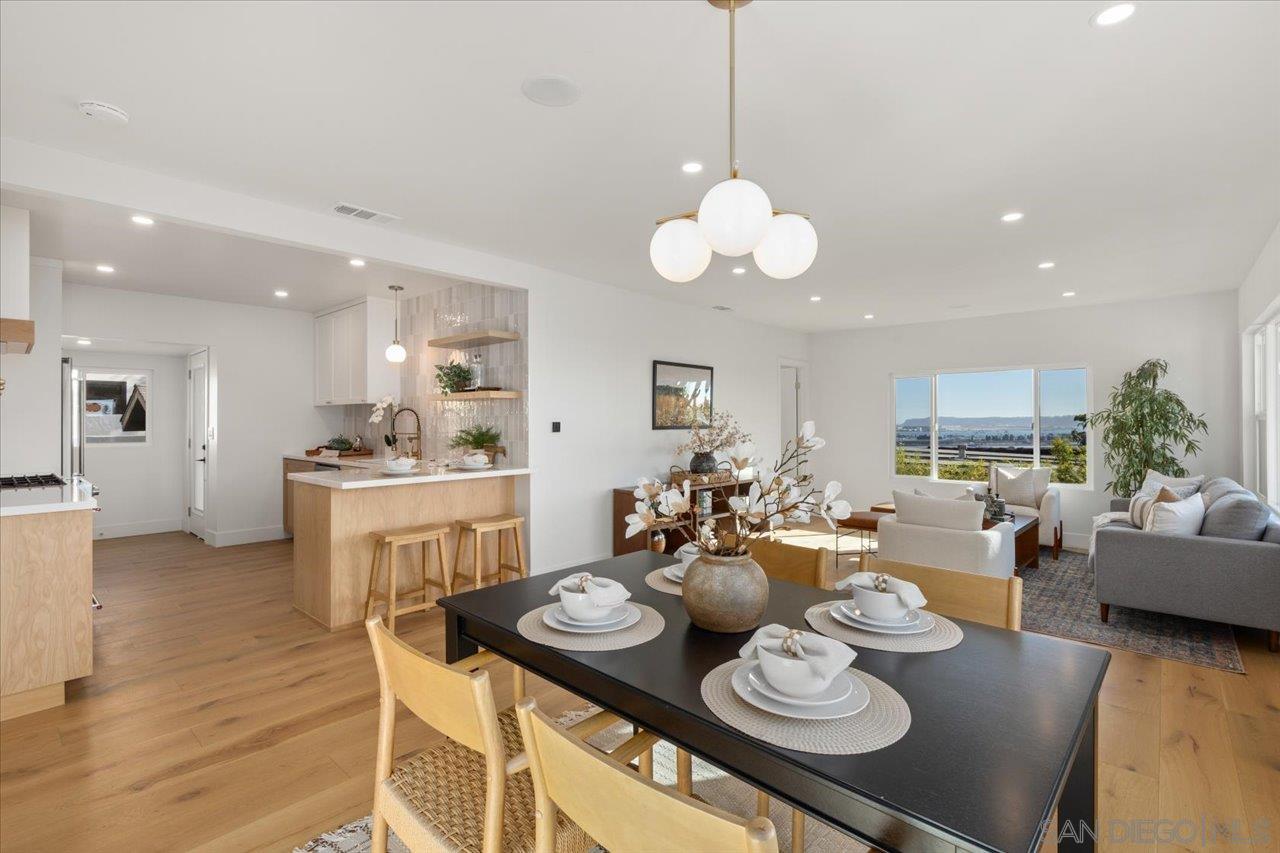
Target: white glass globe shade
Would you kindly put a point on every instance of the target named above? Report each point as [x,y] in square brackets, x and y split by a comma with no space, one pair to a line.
[734,216]
[788,247]
[395,354]
[678,251]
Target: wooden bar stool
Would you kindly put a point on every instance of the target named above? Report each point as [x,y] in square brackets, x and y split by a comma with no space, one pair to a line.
[477,527]
[390,541]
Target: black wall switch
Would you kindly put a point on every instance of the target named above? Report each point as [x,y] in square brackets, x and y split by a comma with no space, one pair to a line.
[555,426]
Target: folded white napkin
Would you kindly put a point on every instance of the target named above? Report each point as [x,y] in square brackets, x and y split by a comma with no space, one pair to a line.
[825,656]
[601,591]
[908,593]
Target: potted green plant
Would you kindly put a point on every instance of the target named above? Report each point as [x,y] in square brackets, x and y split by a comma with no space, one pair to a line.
[1144,428]
[453,377]
[483,438]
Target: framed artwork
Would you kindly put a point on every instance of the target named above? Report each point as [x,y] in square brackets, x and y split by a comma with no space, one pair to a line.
[115,406]
[681,395]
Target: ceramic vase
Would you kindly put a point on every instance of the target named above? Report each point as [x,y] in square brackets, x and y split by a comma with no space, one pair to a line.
[703,463]
[725,594]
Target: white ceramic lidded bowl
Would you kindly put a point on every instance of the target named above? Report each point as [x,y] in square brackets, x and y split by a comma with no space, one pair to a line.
[577,605]
[882,606]
[791,675]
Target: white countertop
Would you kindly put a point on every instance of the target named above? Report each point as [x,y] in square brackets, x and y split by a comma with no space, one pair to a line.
[76,495]
[341,461]
[364,477]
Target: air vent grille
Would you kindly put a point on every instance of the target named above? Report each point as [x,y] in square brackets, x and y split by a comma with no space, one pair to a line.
[364,214]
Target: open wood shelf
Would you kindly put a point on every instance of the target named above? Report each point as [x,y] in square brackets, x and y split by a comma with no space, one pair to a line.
[474,339]
[17,337]
[477,395]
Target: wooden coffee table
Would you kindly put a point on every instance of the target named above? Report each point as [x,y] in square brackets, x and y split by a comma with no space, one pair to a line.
[1026,541]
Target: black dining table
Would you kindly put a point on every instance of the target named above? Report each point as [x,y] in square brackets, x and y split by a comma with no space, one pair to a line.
[1003,726]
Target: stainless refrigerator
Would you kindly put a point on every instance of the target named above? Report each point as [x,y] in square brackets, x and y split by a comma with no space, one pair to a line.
[72,421]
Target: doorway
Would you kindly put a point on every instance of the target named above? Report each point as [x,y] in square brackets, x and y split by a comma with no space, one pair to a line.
[789,401]
[197,442]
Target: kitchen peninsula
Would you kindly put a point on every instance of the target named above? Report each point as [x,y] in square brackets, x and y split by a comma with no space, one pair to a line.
[334,511]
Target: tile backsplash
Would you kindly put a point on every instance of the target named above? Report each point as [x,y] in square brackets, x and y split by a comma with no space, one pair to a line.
[461,308]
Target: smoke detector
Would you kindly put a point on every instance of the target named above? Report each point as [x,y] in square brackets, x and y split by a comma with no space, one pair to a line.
[551,90]
[364,214]
[103,111]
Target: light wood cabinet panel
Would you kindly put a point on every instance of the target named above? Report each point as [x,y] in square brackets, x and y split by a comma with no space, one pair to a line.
[46,588]
[292,466]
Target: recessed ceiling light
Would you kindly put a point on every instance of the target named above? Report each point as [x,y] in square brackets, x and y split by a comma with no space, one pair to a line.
[106,268]
[1113,15]
[868,316]
[739,270]
[103,111]
[84,342]
[1011,216]
[281,294]
[551,90]
[1047,265]
[815,298]
[356,262]
[691,168]
[143,220]
[1068,293]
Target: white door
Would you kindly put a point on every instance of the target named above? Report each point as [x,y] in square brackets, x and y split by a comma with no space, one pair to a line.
[789,387]
[197,440]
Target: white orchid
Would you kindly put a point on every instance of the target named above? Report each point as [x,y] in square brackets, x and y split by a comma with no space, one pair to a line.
[647,489]
[674,503]
[380,408]
[642,519]
[833,508]
[807,440]
[742,456]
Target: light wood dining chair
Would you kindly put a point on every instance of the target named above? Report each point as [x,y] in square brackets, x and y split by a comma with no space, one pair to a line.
[964,595]
[793,563]
[469,792]
[620,809]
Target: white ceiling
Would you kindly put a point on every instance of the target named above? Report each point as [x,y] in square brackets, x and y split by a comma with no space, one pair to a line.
[182,260]
[71,345]
[1146,157]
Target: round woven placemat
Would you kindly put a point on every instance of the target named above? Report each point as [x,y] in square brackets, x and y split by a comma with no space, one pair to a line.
[882,722]
[531,627]
[943,635]
[659,581]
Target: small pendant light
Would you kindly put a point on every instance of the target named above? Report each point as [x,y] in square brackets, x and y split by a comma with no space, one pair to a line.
[396,353]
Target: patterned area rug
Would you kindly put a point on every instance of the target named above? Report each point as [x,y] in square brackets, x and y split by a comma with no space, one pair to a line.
[1058,599]
[709,783]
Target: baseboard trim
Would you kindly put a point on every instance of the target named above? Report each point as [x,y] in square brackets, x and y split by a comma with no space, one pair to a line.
[245,536]
[1076,542]
[137,528]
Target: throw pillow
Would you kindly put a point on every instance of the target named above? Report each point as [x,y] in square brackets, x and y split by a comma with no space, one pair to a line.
[1272,533]
[937,512]
[1236,516]
[1017,487]
[1219,487]
[1176,518]
[966,495]
[1140,505]
[1154,480]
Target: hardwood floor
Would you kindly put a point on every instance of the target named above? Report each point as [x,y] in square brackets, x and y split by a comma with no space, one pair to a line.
[217,718]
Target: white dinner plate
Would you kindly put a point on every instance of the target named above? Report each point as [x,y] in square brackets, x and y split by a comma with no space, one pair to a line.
[859,697]
[399,472]
[616,614]
[671,574]
[460,467]
[926,623]
[841,686]
[911,617]
[632,617]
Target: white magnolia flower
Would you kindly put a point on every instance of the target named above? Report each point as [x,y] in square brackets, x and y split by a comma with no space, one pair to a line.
[642,519]
[800,514]
[674,502]
[834,509]
[647,489]
[753,507]
[376,417]
[742,456]
[807,440]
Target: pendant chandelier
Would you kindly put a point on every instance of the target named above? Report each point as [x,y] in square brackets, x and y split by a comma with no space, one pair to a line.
[396,352]
[735,217]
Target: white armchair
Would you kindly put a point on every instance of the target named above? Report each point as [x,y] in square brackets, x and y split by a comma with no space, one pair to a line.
[1049,512]
[947,534]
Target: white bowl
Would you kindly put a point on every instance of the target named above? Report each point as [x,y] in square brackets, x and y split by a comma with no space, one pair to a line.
[885,606]
[402,463]
[687,553]
[792,676]
[578,605]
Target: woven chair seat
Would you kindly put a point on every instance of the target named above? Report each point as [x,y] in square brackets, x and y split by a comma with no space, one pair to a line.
[442,791]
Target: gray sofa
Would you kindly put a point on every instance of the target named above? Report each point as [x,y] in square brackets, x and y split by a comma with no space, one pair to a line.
[1229,577]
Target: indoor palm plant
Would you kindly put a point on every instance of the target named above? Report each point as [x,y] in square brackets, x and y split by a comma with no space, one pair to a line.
[1146,427]
[723,588]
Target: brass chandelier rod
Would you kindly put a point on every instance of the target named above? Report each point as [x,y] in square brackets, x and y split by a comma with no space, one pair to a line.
[693,214]
[733,91]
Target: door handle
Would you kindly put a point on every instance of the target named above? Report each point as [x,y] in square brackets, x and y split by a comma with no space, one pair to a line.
[201,459]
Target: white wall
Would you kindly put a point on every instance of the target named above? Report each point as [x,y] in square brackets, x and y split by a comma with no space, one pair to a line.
[1195,334]
[1260,290]
[261,371]
[15,263]
[142,485]
[31,405]
[591,353]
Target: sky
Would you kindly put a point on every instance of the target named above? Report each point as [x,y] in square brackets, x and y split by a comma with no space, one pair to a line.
[1006,393]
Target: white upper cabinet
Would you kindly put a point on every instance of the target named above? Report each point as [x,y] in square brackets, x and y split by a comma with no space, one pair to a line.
[350,367]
